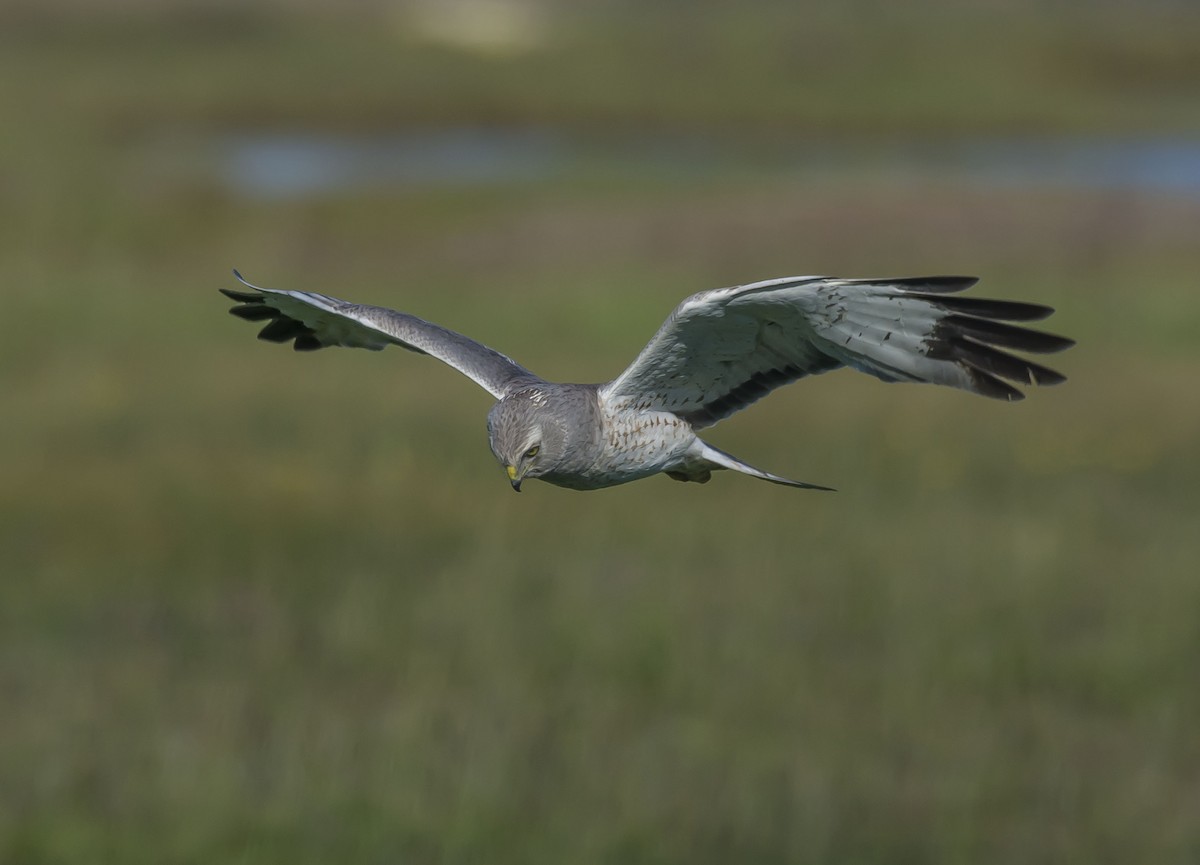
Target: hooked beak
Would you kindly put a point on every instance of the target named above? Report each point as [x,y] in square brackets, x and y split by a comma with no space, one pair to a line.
[513,477]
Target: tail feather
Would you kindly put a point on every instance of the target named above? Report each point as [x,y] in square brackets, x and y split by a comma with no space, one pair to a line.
[718,459]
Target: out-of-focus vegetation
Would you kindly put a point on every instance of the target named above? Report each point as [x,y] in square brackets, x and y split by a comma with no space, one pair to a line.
[260,607]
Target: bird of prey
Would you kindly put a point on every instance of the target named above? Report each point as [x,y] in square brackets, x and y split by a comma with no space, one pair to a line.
[717,352]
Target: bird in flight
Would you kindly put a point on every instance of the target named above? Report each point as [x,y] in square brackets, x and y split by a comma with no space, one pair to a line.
[717,352]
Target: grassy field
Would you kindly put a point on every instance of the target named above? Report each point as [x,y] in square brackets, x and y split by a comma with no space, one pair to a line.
[264,607]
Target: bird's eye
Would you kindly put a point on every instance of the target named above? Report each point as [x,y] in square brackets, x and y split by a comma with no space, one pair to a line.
[532,452]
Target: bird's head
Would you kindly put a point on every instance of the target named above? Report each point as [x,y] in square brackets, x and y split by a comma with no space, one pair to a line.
[526,437]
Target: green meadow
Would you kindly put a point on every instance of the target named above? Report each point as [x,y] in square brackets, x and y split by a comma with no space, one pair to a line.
[260,607]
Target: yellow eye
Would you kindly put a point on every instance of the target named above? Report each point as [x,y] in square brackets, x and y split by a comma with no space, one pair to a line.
[532,452]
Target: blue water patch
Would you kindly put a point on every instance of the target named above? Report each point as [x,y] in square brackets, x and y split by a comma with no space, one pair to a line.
[287,165]
[1146,165]
[296,165]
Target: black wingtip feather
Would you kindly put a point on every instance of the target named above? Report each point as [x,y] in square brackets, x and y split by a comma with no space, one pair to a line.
[1004,310]
[990,386]
[996,362]
[282,330]
[935,284]
[924,284]
[1007,335]
[241,296]
[254,312]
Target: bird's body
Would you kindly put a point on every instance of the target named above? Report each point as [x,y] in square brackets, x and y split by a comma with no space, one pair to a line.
[633,444]
[717,353]
[637,444]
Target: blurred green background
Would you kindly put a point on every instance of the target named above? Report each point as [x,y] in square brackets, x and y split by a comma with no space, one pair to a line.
[265,607]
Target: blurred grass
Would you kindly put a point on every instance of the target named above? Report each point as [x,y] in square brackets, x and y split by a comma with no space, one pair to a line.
[262,607]
[937,66]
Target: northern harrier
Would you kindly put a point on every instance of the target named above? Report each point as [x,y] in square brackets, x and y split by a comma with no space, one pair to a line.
[718,352]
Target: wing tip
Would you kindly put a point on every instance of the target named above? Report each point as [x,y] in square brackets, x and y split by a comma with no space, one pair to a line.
[805,486]
[990,384]
[278,327]
[237,274]
[936,284]
[941,284]
[974,335]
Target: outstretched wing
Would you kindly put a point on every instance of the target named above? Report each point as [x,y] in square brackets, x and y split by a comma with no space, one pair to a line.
[315,321]
[722,350]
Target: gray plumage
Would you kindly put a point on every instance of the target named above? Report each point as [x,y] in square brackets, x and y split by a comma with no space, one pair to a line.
[718,352]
